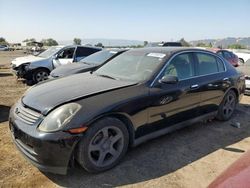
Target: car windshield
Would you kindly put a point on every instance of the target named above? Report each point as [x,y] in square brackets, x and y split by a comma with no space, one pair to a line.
[49,52]
[98,57]
[133,65]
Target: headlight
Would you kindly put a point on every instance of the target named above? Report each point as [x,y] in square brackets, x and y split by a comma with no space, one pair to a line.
[26,66]
[59,117]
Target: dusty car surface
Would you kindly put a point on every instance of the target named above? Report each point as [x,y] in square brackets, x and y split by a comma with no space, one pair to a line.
[37,68]
[141,94]
[164,44]
[89,63]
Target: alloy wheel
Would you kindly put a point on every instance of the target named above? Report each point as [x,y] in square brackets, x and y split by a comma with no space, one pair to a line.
[229,105]
[106,146]
[41,76]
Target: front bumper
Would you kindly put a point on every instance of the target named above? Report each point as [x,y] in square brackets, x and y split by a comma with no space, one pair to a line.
[20,72]
[50,152]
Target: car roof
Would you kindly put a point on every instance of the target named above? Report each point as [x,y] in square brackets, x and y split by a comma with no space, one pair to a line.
[217,50]
[116,49]
[168,50]
[85,46]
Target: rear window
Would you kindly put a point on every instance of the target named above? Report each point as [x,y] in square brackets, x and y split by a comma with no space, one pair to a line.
[208,64]
[221,66]
[82,52]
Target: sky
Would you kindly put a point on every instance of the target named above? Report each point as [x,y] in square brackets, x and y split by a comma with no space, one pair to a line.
[151,20]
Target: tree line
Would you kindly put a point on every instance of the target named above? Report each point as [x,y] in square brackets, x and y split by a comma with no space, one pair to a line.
[78,41]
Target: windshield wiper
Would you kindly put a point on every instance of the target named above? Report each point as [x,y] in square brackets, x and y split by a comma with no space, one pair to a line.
[106,76]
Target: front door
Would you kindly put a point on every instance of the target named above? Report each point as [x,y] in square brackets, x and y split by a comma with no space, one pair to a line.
[178,102]
[64,57]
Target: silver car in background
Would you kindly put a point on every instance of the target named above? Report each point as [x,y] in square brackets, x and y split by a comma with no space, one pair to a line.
[4,48]
[37,68]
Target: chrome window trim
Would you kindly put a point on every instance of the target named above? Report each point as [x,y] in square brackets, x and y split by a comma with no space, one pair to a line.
[189,51]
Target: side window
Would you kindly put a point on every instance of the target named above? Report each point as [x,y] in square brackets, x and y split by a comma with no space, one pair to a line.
[220,65]
[207,64]
[67,53]
[181,66]
[82,52]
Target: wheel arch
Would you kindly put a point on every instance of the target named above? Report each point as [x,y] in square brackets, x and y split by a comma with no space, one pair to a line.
[235,90]
[240,58]
[123,118]
[40,68]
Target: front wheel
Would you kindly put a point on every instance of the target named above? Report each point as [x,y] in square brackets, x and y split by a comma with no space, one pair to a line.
[103,145]
[227,107]
[40,75]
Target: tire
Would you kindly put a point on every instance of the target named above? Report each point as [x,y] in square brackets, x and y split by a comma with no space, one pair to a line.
[40,75]
[103,146]
[227,106]
[241,61]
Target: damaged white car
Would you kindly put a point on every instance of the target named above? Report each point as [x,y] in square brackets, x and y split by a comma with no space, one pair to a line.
[37,68]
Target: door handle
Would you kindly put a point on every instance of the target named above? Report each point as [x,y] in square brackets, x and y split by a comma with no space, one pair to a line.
[225,79]
[195,86]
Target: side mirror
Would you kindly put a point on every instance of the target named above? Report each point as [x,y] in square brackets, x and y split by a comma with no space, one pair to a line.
[169,80]
[55,56]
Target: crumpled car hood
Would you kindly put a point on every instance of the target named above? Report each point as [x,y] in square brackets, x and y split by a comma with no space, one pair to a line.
[26,59]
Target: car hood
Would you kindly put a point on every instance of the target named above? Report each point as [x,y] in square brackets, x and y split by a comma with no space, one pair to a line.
[46,96]
[26,59]
[69,69]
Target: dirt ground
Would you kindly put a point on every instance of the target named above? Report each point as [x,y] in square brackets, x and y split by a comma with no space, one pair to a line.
[191,157]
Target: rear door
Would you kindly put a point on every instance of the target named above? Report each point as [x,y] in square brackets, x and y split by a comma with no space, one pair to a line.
[174,103]
[212,80]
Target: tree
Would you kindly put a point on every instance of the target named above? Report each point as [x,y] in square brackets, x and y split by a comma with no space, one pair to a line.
[236,46]
[49,42]
[29,41]
[3,41]
[201,44]
[184,43]
[145,43]
[77,41]
[99,44]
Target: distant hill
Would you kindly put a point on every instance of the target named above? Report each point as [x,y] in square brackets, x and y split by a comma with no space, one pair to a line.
[106,42]
[224,42]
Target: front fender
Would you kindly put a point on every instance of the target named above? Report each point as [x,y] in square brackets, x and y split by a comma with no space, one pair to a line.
[46,63]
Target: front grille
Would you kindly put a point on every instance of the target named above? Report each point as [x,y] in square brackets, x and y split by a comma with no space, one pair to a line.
[27,115]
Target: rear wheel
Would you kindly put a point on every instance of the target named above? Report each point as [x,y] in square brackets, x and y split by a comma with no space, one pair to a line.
[40,75]
[103,145]
[227,107]
[241,60]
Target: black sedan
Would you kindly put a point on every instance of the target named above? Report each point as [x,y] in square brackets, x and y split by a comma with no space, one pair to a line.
[89,63]
[93,117]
